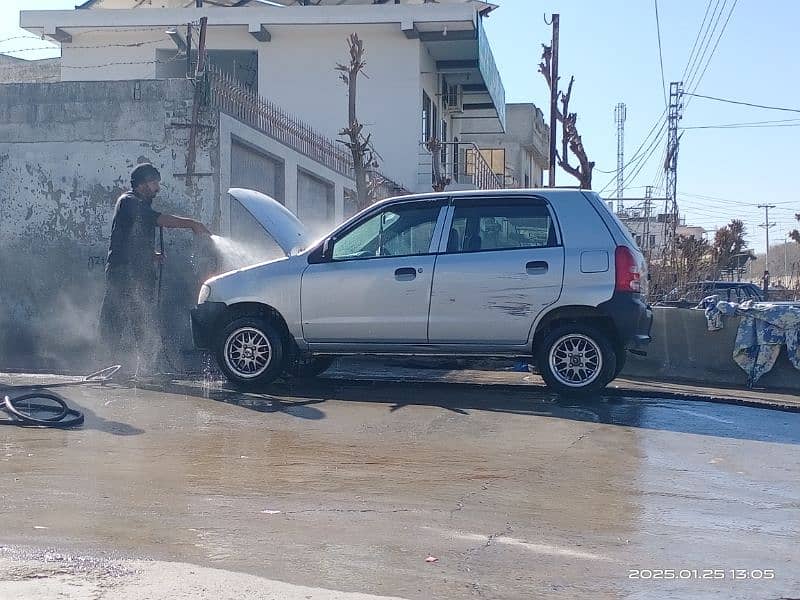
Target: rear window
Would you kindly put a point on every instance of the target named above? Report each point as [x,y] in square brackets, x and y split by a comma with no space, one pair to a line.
[501,224]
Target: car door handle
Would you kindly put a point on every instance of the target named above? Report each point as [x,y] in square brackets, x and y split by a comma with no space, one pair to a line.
[536,267]
[405,274]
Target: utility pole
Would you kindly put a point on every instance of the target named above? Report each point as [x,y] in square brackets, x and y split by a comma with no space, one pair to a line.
[619,118]
[188,50]
[648,198]
[785,257]
[199,77]
[674,115]
[767,226]
[553,101]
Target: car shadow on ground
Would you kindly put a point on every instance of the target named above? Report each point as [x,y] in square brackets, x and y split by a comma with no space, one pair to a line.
[298,397]
[260,401]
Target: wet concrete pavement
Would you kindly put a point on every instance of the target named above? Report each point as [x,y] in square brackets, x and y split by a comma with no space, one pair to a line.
[350,486]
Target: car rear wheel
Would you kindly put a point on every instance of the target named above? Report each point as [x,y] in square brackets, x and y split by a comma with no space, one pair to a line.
[576,360]
[250,351]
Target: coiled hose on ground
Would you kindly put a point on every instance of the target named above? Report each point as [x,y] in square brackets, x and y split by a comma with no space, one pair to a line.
[40,407]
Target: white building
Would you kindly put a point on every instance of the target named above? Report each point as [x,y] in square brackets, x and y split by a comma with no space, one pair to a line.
[520,154]
[430,66]
[650,231]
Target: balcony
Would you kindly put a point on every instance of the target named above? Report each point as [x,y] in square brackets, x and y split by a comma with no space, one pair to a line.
[461,164]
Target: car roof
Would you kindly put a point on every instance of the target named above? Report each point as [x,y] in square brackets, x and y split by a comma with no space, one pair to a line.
[550,193]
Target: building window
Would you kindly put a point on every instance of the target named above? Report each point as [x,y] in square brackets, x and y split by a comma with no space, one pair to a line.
[494,157]
[444,143]
[455,159]
[426,117]
[652,241]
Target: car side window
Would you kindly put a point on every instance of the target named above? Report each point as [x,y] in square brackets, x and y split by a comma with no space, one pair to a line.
[500,225]
[401,230]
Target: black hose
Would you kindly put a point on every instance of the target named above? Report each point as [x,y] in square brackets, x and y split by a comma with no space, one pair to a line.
[62,417]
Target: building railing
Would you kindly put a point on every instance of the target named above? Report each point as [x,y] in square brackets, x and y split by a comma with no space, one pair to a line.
[461,163]
[228,95]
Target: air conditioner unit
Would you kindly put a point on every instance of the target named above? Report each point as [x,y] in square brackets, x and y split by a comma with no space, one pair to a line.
[453,99]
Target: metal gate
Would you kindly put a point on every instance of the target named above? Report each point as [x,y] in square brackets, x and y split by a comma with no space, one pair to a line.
[253,170]
[256,171]
[315,198]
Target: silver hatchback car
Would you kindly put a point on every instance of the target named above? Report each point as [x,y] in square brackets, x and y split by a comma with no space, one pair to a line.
[547,274]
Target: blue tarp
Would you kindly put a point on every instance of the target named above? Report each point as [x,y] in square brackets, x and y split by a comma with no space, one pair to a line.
[763,331]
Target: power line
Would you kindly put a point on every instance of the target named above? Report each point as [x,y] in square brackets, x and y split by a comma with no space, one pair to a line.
[714,49]
[660,55]
[742,103]
[637,156]
[705,42]
[742,126]
[696,39]
[640,161]
[751,123]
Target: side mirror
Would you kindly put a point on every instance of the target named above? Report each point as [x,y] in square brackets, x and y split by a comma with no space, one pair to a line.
[327,249]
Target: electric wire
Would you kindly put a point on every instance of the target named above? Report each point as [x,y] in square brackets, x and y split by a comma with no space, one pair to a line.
[660,54]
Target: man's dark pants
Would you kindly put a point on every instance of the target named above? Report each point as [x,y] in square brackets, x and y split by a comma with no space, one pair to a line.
[128,327]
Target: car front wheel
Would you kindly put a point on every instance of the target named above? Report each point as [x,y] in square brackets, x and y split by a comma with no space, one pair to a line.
[251,351]
[576,360]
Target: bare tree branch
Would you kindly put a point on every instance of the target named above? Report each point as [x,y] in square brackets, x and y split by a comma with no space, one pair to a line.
[360,146]
[570,138]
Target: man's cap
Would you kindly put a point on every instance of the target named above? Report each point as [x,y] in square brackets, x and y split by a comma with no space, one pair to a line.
[143,173]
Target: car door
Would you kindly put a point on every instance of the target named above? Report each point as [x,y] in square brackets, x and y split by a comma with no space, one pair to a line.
[374,286]
[501,265]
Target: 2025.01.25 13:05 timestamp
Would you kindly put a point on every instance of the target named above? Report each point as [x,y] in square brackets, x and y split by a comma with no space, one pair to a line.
[718,574]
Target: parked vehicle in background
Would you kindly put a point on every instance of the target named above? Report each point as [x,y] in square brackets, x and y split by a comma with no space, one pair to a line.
[693,293]
[507,273]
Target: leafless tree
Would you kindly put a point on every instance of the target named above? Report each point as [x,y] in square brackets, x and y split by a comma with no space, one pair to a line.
[795,234]
[359,145]
[440,182]
[570,138]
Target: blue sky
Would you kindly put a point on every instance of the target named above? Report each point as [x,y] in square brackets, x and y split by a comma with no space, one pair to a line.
[611,47]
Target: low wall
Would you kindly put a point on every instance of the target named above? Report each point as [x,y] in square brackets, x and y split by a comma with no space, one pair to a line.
[683,348]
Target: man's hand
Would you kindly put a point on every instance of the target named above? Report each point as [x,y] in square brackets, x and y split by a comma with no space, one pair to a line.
[200,229]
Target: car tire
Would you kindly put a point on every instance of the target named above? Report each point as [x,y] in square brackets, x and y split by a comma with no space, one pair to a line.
[576,359]
[309,368]
[250,350]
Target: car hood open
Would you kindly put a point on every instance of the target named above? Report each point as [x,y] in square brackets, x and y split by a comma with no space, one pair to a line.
[277,220]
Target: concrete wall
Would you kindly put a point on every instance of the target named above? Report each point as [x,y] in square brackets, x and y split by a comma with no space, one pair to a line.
[16,70]
[683,348]
[66,151]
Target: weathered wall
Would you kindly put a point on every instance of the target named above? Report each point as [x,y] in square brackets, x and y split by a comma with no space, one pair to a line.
[16,70]
[683,348]
[66,151]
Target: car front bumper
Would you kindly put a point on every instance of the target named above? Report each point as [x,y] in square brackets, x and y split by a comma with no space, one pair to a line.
[204,320]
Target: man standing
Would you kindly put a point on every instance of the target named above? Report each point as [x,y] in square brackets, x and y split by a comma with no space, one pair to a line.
[128,327]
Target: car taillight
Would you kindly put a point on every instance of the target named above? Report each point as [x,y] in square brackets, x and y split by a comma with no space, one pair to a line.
[629,273]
